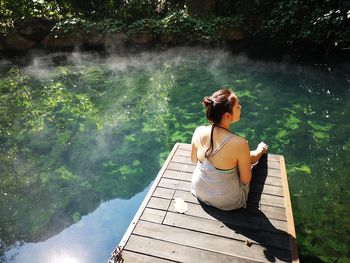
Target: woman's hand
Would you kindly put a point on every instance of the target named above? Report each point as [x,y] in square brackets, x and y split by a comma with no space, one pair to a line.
[256,154]
[262,148]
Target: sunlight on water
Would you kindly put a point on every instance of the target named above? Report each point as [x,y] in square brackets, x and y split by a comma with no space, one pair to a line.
[64,259]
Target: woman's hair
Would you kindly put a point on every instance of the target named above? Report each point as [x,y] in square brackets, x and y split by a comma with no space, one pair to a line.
[218,104]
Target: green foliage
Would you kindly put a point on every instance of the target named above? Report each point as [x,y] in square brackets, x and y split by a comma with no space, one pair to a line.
[319,22]
[83,25]
[181,26]
[178,26]
[10,11]
[134,10]
[291,22]
[154,26]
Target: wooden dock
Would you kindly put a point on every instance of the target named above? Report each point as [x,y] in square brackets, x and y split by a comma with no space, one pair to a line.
[263,232]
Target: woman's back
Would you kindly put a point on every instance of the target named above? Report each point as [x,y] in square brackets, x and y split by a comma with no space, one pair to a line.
[215,180]
[223,155]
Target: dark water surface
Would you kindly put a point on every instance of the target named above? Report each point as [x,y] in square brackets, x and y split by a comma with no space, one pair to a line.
[83,136]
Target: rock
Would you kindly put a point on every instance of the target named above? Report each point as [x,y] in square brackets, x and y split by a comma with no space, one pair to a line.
[94,38]
[232,34]
[63,41]
[111,40]
[167,39]
[14,41]
[141,38]
[174,39]
[33,28]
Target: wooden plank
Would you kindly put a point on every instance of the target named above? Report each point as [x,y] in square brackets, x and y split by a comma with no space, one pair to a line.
[266,189]
[178,175]
[184,176]
[274,165]
[163,193]
[237,217]
[181,152]
[153,215]
[133,257]
[227,230]
[185,185]
[179,163]
[271,200]
[253,198]
[270,211]
[159,203]
[174,184]
[182,159]
[273,212]
[185,146]
[274,156]
[270,180]
[291,229]
[186,159]
[177,252]
[274,172]
[188,168]
[208,242]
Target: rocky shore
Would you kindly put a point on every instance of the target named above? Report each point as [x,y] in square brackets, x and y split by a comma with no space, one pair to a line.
[37,33]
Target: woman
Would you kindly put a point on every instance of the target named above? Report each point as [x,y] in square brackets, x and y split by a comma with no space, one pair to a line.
[223,172]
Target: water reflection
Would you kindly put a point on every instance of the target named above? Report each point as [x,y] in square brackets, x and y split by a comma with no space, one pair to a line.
[89,240]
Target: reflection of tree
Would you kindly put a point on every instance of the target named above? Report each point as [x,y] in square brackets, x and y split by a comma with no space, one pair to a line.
[63,153]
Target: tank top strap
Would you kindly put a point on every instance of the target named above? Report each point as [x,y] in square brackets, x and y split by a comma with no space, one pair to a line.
[222,144]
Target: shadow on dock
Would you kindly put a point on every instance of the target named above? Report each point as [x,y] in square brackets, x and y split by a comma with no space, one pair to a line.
[252,223]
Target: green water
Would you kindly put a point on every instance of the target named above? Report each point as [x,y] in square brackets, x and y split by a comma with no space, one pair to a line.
[78,130]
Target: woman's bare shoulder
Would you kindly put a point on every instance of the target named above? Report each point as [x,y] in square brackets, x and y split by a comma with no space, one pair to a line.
[238,141]
[199,132]
[202,129]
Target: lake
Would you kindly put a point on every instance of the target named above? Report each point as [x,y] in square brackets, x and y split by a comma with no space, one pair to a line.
[83,135]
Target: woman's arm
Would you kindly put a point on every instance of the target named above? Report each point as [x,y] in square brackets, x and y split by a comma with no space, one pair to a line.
[244,162]
[194,158]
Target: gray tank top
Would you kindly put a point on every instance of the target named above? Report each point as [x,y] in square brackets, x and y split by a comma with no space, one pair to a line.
[219,188]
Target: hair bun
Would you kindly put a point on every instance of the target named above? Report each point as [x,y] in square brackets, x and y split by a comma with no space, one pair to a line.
[207,101]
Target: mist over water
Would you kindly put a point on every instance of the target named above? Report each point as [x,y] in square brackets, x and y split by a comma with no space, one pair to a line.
[81,132]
